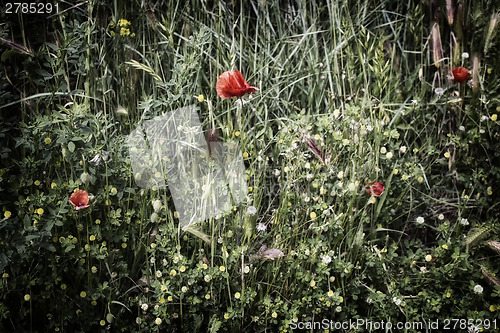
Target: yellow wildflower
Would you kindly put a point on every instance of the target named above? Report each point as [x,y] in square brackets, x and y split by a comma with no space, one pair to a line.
[123,23]
[124,32]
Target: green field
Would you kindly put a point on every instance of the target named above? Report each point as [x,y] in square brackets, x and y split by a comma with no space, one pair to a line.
[369,158]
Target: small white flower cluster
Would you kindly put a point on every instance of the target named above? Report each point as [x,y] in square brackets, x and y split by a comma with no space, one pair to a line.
[156,205]
[251,210]
[261,227]
[397,301]
[326,259]
[478,289]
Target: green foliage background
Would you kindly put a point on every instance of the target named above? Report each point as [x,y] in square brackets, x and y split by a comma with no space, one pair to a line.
[357,78]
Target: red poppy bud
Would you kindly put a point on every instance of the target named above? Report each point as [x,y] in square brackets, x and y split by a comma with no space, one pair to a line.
[460,74]
[375,189]
[79,199]
[231,84]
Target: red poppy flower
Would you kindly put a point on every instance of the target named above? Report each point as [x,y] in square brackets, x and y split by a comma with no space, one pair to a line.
[231,84]
[79,199]
[460,74]
[375,189]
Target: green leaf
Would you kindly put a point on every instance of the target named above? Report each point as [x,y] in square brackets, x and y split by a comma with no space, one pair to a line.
[48,247]
[46,75]
[71,146]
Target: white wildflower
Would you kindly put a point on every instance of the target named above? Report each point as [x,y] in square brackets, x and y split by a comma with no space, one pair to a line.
[154,217]
[478,289]
[157,206]
[251,210]
[261,227]
[85,178]
[473,329]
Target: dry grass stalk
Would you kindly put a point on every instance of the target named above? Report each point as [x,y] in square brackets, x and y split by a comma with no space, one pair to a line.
[314,148]
[450,11]
[437,45]
[490,277]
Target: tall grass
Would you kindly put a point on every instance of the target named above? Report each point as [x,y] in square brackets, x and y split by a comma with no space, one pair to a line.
[348,97]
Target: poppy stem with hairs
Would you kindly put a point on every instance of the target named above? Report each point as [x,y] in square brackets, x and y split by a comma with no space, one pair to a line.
[238,114]
[460,94]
